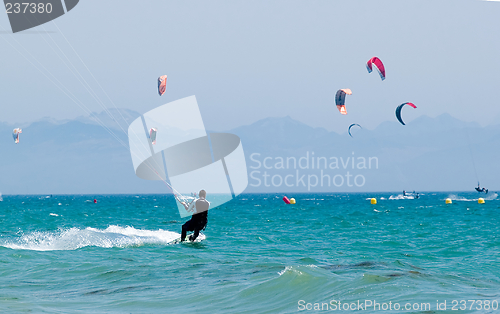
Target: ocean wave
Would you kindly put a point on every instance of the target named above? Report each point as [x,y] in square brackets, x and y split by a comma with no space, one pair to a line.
[75,238]
[289,269]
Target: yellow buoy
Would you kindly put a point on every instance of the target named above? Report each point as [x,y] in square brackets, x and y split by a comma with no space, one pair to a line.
[448,201]
[292,201]
[480,200]
[373,201]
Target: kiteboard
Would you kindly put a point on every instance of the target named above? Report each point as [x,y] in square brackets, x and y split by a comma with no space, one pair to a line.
[200,238]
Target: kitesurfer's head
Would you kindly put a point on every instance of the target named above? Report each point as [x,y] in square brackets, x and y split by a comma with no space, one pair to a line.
[203,194]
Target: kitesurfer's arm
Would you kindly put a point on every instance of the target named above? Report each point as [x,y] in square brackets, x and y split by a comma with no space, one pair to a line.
[185,205]
[182,202]
[189,207]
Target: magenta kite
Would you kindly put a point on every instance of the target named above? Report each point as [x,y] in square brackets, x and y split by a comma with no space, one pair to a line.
[377,63]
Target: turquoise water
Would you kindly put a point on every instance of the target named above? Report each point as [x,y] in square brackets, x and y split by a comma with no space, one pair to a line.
[66,254]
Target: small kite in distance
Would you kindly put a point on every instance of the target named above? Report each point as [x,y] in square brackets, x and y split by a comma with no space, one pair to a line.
[398,111]
[15,134]
[349,130]
[340,99]
[377,63]
[162,84]
[152,135]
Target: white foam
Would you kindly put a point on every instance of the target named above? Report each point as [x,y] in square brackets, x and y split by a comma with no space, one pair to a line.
[401,197]
[490,196]
[75,238]
[454,197]
[289,269]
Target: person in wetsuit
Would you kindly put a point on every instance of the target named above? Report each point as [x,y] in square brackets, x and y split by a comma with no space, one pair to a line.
[199,219]
[479,189]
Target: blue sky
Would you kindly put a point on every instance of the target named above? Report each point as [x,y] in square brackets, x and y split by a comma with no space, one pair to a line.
[248,60]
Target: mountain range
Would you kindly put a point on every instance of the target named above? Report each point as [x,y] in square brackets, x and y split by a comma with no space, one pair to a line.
[90,155]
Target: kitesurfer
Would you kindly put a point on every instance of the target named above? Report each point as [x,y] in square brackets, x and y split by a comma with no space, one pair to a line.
[199,220]
[481,190]
[409,194]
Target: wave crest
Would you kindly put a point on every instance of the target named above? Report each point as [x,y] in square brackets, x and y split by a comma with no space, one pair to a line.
[75,238]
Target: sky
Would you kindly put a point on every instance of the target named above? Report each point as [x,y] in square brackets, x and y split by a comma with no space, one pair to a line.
[249,60]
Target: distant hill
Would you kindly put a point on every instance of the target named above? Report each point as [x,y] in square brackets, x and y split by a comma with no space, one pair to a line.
[82,157]
[427,154]
[69,157]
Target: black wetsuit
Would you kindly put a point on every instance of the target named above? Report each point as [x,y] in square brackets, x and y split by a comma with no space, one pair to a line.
[198,221]
[483,190]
